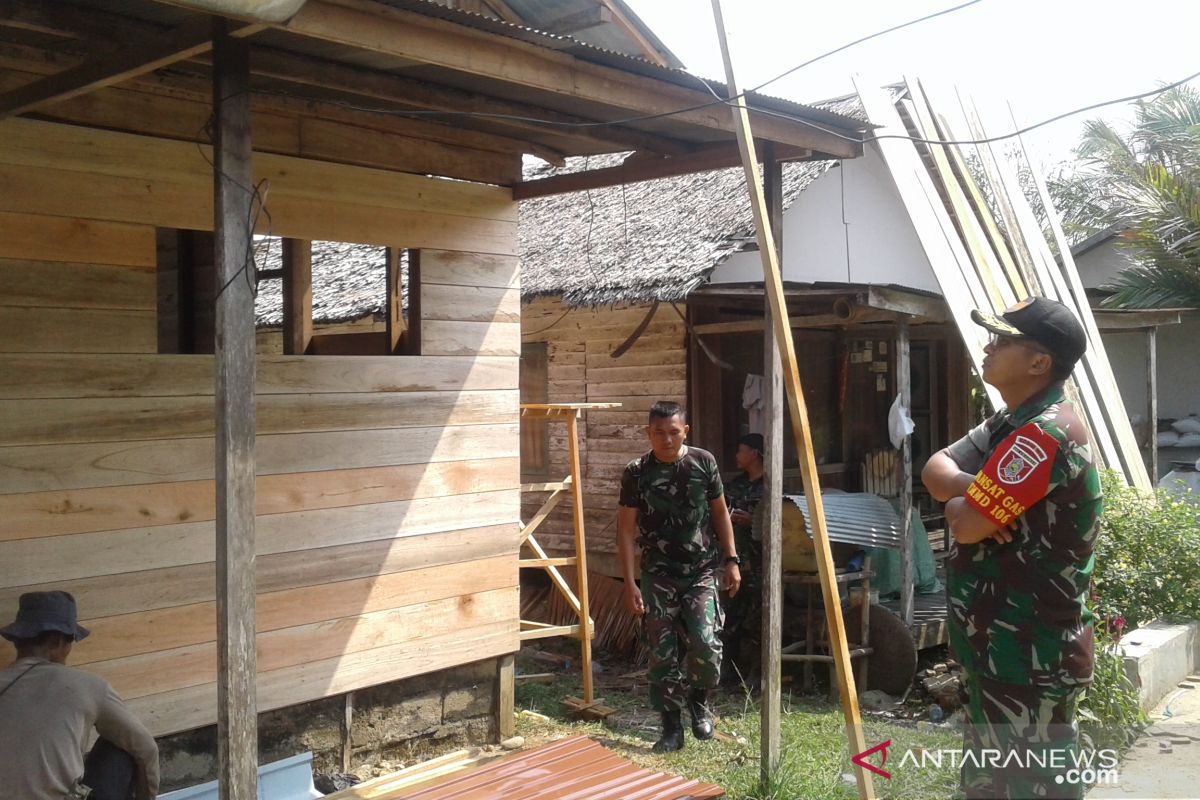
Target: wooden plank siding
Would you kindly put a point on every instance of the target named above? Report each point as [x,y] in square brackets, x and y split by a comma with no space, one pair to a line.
[388,486]
[581,368]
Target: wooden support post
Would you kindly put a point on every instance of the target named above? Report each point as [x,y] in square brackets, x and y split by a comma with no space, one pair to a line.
[297,296]
[395,299]
[348,731]
[506,679]
[237,718]
[773,286]
[1152,403]
[904,381]
[772,516]
[585,621]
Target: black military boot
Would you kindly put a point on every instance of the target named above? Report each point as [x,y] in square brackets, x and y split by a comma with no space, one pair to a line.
[702,727]
[672,736]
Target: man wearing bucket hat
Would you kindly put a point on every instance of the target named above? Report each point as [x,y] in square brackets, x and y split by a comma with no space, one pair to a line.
[48,710]
[1023,506]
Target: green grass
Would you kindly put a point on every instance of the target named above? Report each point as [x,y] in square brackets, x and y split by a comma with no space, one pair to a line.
[813,745]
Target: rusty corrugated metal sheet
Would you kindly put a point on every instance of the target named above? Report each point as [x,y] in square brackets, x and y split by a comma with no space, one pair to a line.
[576,768]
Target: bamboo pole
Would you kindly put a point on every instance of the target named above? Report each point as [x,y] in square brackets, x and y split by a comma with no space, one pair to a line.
[585,621]
[773,286]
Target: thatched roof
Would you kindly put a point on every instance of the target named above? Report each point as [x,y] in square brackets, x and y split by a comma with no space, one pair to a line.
[655,240]
[349,282]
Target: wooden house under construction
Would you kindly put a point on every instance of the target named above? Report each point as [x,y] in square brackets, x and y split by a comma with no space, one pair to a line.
[380,548]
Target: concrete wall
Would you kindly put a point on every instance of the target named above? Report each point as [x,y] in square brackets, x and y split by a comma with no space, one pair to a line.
[848,226]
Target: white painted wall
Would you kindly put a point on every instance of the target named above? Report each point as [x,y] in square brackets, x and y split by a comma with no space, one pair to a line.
[876,243]
[1102,263]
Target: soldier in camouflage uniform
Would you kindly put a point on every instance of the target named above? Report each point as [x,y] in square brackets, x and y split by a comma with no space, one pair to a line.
[1023,505]
[668,498]
[743,613]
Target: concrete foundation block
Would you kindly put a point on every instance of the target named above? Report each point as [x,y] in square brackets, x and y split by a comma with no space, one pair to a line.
[1158,656]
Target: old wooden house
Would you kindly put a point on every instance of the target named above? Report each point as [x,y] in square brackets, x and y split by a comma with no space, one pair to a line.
[373,563]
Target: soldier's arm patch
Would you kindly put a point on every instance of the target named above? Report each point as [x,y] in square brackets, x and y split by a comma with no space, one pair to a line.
[1015,477]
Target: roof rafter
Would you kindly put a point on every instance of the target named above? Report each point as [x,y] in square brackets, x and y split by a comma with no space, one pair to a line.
[395,88]
[633,170]
[132,60]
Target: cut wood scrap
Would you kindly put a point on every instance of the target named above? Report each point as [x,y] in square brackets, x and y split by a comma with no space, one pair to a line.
[595,710]
[385,785]
[535,677]
[525,712]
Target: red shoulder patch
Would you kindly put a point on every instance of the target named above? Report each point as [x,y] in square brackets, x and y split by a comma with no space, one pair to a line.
[1016,476]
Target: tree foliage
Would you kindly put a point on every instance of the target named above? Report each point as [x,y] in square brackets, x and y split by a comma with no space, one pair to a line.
[1143,184]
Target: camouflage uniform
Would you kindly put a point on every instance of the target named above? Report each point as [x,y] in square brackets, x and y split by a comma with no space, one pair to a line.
[679,571]
[743,611]
[1019,623]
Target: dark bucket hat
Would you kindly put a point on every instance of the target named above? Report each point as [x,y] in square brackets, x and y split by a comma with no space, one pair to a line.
[40,612]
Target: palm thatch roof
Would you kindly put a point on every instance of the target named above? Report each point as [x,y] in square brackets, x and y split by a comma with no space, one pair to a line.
[655,240]
[349,282]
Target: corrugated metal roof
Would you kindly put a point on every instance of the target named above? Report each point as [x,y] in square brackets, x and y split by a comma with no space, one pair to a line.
[866,520]
[575,768]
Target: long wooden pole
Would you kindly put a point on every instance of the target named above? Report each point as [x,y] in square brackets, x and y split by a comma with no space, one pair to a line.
[237,718]
[904,382]
[581,568]
[773,285]
[772,517]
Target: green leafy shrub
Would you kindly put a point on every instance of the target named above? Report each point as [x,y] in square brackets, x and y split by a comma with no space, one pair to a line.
[1109,714]
[1146,564]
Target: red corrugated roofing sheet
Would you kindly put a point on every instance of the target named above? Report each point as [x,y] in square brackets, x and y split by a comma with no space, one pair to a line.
[569,769]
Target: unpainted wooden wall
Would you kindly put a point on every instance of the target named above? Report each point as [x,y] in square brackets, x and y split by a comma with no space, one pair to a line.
[581,369]
[387,492]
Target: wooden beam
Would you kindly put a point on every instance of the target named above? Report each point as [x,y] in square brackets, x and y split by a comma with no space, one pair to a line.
[506,719]
[180,44]
[395,300]
[297,296]
[904,379]
[400,92]
[772,516]
[647,47]
[723,156]
[932,309]
[773,284]
[586,19]
[421,39]
[581,573]
[1152,403]
[237,717]
[1109,320]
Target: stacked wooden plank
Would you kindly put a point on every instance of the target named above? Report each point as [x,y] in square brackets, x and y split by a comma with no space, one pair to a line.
[989,256]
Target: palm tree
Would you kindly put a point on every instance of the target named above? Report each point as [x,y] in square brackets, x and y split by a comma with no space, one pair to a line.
[1145,184]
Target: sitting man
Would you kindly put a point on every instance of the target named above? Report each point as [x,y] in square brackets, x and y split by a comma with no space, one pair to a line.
[47,712]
